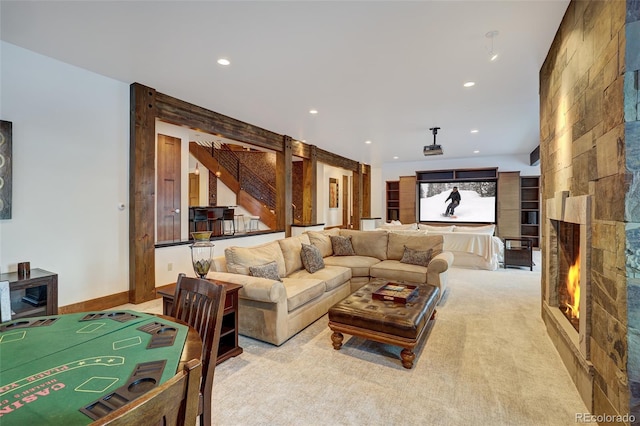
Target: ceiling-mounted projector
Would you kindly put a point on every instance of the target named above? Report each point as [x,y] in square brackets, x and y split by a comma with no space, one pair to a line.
[433,149]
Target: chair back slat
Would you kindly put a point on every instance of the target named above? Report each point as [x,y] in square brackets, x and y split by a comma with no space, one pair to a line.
[200,303]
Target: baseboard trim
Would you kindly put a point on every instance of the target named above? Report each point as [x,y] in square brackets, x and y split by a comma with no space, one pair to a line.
[99,304]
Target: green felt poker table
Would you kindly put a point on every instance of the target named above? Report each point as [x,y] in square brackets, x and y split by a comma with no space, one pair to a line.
[75,368]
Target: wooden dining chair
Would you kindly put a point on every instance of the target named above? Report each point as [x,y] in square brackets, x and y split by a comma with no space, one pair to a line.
[200,303]
[173,403]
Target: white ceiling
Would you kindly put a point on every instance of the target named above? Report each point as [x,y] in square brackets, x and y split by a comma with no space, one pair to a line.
[375,70]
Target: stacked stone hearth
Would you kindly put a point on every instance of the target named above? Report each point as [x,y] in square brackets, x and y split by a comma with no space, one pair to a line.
[590,146]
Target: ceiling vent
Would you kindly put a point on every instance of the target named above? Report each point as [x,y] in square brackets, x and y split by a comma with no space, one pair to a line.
[433,149]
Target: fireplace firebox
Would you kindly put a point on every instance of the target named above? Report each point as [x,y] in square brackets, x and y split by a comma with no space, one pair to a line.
[568,258]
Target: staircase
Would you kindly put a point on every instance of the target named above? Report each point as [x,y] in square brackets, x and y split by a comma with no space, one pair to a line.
[252,192]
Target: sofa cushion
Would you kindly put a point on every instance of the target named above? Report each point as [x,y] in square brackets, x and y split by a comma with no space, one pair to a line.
[397,242]
[240,258]
[322,240]
[416,257]
[368,243]
[311,258]
[333,276]
[393,270]
[291,248]
[301,290]
[342,245]
[268,271]
[359,264]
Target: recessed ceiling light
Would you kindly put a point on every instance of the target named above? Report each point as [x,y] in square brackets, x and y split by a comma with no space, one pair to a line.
[313,111]
[367,142]
[476,151]
[469,84]
[223,61]
[395,157]
[474,131]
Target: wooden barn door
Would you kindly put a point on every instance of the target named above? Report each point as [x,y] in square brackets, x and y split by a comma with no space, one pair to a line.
[168,197]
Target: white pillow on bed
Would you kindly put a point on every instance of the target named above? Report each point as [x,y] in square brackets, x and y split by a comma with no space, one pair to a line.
[394,227]
[436,228]
[485,229]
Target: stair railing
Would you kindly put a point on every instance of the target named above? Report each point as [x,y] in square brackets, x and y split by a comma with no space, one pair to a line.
[249,181]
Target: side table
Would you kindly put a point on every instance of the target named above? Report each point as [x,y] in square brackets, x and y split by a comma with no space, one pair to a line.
[518,252]
[34,295]
[229,335]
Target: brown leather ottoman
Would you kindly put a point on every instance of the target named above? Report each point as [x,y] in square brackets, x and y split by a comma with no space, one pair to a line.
[383,321]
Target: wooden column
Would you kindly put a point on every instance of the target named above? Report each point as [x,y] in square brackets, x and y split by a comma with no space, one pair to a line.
[408,199]
[284,166]
[310,185]
[142,193]
[366,190]
[357,198]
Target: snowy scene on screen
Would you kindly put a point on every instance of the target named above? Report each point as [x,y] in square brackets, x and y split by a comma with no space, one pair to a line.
[477,201]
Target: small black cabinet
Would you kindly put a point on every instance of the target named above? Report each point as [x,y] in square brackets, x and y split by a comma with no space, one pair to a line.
[518,252]
[34,295]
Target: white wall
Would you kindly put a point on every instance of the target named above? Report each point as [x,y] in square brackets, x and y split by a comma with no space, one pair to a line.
[393,170]
[70,172]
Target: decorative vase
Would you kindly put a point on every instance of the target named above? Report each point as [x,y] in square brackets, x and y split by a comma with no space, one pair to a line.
[201,253]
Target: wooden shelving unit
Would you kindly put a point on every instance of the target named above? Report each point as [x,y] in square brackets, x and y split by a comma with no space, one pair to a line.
[393,200]
[33,295]
[530,208]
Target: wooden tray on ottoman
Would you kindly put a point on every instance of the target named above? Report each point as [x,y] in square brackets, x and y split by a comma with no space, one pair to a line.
[397,293]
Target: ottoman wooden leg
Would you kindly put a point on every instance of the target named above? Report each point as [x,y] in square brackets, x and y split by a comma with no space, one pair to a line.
[407,356]
[336,338]
[434,315]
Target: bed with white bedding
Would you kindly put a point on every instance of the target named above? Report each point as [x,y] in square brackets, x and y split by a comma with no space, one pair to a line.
[471,250]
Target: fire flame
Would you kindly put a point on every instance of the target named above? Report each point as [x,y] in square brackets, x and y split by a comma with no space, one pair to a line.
[573,287]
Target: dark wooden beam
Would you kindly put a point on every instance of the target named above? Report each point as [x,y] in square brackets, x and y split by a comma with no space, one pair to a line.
[142,199]
[300,149]
[335,160]
[309,182]
[357,198]
[183,113]
[365,171]
[284,185]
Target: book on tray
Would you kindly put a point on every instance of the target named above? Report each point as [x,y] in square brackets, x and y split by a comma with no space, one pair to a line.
[395,292]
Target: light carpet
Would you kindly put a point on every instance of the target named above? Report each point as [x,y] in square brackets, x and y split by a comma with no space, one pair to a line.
[487,361]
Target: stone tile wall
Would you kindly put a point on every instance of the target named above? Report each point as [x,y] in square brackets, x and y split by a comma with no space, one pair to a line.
[590,145]
[632,200]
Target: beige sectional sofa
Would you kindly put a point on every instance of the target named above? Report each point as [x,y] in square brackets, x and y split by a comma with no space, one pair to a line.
[273,311]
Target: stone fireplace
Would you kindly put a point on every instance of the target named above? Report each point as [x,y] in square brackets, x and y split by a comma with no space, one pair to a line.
[590,149]
[567,295]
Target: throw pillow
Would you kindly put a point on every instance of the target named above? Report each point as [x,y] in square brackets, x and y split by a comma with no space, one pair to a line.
[311,258]
[416,257]
[342,245]
[268,270]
